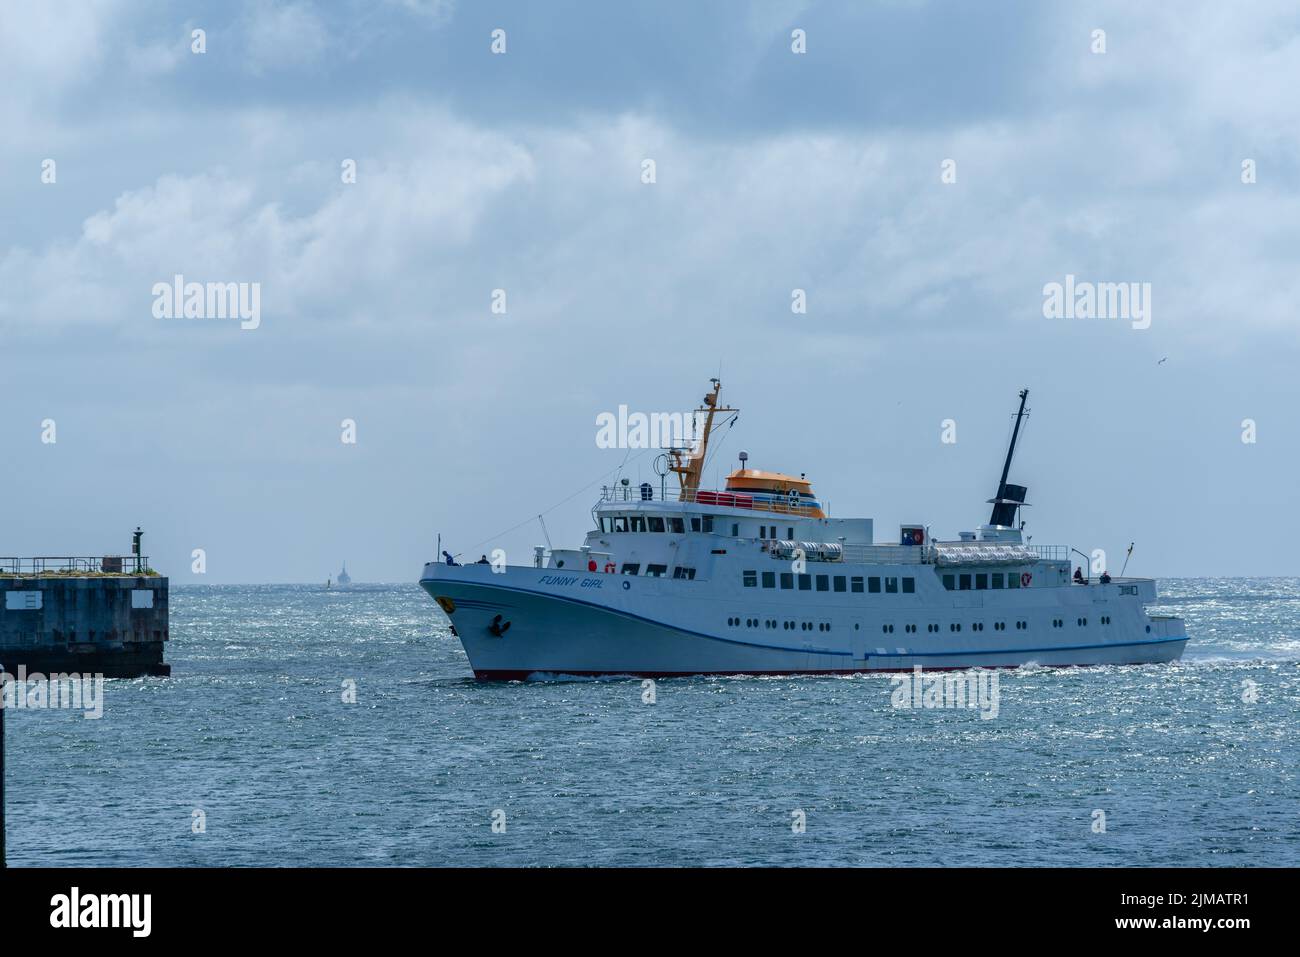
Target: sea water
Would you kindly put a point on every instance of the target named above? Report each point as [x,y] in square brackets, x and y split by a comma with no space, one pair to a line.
[305,726]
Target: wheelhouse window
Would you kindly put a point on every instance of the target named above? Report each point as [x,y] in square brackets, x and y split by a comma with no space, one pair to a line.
[787,580]
[873,584]
[656,523]
[805,583]
[839,582]
[631,568]
[749,579]
[950,582]
[909,586]
[982,581]
[620,523]
[769,579]
[681,571]
[963,582]
[1013,579]
[891,586]
[855,584]
[606,525]
[823,583]
[656,571]
[999,579]
[695,523]
[735,530]
[676,525]
[708,523]
[637,523]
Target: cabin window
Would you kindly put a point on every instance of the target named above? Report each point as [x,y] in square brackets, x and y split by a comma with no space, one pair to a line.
[750,579]
[787,580]
[950,582]
[963,582]
[695,524]
[839,582]
[999,579]
[873,585]
[1013,579]
[823,582]
[637,523]
[620,523]
[769,579]
[681,571]
[676,525]
[909,586]
[855,584]
[708,523]
[656,523]
[631,568]
[789,533]
[982,581]
[735,530]
[805,583]
[891,586]
[656,571]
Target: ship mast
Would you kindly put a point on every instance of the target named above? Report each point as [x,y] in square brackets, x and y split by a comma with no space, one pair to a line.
[1009,497]
[689,468]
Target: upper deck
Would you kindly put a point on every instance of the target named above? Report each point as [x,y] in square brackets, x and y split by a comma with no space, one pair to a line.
[646,495]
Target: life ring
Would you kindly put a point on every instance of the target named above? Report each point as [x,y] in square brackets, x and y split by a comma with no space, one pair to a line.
[591,565]
[1025,579]
[609,568]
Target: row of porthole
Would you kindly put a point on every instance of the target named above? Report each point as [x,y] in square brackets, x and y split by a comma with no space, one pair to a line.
[975,627]
[772,623]
[910,629]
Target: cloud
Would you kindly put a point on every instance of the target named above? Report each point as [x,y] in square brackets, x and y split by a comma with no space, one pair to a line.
[284,36]
[446,209]
[434,11]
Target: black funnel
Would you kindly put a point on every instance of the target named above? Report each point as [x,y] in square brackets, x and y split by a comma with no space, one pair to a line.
[1004,508]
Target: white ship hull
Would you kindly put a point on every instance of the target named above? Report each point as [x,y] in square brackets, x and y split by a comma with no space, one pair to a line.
[554,622]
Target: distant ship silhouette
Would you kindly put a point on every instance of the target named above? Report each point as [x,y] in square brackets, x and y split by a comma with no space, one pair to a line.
[344,579]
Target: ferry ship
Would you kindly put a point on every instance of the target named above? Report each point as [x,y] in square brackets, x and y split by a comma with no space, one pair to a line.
[755,579]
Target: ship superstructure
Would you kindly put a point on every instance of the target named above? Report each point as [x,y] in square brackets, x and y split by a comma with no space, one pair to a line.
[755,578]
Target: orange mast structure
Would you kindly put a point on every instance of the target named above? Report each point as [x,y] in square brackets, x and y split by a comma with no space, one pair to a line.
[690,467]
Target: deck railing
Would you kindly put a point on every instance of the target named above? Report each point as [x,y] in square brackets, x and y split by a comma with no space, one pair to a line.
[646,493]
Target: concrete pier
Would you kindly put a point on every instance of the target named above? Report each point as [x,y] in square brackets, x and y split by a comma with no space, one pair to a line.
[85,615]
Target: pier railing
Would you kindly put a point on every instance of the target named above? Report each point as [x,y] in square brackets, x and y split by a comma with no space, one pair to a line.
[77,565]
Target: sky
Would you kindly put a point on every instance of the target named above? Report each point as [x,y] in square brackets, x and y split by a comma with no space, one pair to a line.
[921,172]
